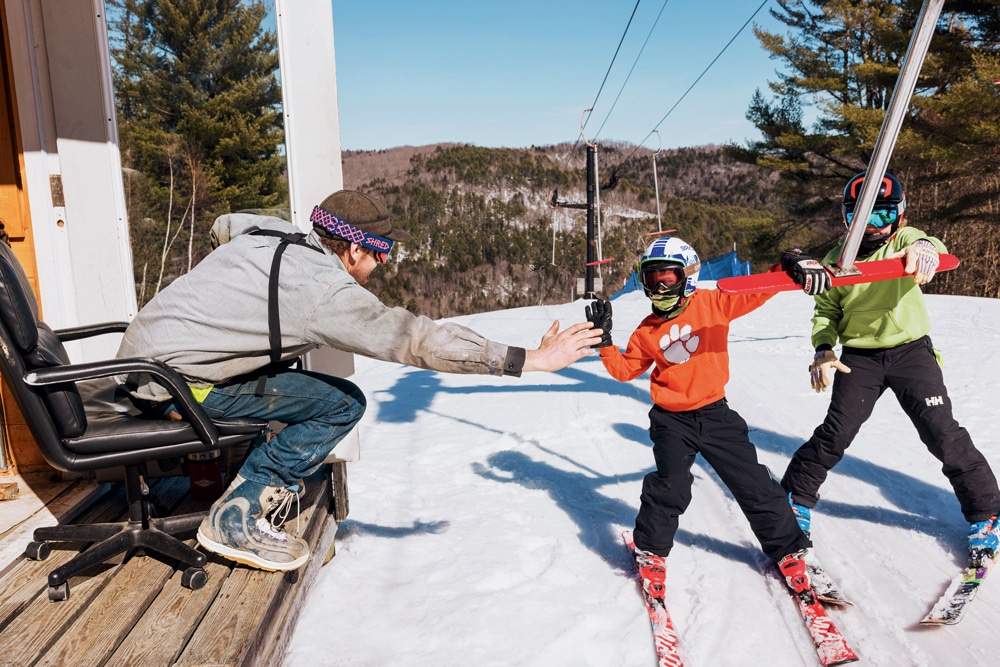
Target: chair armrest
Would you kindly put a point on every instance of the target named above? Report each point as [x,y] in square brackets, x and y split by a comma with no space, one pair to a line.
[86,331]
[190,410]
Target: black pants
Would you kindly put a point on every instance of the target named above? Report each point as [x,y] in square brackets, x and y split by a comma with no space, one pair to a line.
[912,373]
[721,436]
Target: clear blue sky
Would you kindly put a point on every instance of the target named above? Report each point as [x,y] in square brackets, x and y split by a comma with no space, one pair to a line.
[517,72]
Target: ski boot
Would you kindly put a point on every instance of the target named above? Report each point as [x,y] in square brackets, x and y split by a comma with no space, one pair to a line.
[653,570]
[793,567]
[984,537]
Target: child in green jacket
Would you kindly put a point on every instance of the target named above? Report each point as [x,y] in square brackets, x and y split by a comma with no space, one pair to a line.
[883,328]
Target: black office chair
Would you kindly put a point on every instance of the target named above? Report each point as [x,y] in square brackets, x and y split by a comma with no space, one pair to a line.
[93,425]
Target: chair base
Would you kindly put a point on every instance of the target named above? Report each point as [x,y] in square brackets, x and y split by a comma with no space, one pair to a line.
[139,532]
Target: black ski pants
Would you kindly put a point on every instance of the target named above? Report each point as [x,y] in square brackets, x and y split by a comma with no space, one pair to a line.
[912,373]
[721,436]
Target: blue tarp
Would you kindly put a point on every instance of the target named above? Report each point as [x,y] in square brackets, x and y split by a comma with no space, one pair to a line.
[712,269]
[724,266]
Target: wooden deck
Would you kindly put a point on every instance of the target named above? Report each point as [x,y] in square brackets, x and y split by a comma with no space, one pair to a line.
[134,611]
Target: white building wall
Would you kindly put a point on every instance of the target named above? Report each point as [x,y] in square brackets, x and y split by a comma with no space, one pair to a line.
[62,75]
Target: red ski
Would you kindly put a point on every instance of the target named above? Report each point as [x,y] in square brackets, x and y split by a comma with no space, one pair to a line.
[779,281]
[831,647]
[664,636]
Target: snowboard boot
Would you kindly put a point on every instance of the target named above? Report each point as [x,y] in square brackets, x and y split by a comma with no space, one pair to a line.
[246,525]
[984,537]
[803,515]
[653,570]
[793,567]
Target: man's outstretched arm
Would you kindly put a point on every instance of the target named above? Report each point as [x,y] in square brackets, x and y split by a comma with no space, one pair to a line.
[559,349]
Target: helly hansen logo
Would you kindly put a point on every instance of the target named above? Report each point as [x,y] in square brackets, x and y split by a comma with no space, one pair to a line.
[934,400]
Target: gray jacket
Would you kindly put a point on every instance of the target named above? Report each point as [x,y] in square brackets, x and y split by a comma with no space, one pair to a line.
[210,325]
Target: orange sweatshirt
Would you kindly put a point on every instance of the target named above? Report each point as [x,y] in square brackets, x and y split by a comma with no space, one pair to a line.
[690,351]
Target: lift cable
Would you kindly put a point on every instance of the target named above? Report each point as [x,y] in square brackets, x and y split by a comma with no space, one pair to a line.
[719,55]
[634,63]
[611,65]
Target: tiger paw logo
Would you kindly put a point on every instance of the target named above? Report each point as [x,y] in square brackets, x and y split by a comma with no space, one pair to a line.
[679,344]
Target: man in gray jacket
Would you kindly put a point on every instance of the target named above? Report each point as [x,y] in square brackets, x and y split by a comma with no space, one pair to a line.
[268,294]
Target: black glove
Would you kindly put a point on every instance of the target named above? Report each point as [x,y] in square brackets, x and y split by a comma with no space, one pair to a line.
[600,317]
[805,271]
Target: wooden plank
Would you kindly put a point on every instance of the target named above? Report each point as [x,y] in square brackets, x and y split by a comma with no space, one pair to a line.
[163,632]
[138,613]
[28,579]
[311,572]
[222,637]
[287,605]
[63,508]
[39,623]
[43,622]
[341,505]
[109,617]
[241,624]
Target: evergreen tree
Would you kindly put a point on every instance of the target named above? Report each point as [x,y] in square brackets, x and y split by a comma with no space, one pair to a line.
[843,57]
[199,123]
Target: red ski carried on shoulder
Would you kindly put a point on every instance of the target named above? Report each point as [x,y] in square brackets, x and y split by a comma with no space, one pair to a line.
[779,281]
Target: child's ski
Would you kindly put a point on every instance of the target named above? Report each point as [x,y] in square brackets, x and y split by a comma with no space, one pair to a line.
[664,636]
[831,647]
[952,606]
[822,583]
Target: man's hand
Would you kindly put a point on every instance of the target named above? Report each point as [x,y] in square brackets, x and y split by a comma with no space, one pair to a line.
[599,315]
[805,271]
[921,260]
[821,369]
[561,348]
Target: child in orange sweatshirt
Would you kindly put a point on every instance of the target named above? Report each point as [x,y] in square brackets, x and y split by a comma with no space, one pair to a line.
[685,339]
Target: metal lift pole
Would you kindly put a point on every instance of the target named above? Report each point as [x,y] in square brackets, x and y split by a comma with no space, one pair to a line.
[591,192]
[889,132]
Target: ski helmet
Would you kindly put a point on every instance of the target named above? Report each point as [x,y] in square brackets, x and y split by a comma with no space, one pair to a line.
[669,266]
[890,202]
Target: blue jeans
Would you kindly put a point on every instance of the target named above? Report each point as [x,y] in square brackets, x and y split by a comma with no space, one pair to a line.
[319,411]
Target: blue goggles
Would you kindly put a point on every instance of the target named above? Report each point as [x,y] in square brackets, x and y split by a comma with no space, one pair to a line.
[881,216]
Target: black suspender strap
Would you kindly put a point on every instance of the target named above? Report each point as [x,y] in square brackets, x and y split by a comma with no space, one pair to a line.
[273,314]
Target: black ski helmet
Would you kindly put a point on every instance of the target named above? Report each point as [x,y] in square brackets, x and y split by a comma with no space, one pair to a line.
[890,197]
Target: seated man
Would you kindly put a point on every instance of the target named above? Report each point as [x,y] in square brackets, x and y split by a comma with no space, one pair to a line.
[268,294]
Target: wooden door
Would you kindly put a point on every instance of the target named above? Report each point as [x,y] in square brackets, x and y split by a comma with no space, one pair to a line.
[20,454]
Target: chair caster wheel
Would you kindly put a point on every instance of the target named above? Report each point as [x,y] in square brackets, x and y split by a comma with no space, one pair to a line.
[37,550]
[59,593]
[194,578]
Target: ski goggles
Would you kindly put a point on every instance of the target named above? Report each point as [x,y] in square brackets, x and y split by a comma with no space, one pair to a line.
[881,216]
[662,279]
[334,226]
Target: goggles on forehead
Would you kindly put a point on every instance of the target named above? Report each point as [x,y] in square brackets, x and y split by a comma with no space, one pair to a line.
[331,224]
[662,279]
[882,216]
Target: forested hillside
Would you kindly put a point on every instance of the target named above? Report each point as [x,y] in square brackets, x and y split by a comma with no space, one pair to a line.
[198,102]
[487,237]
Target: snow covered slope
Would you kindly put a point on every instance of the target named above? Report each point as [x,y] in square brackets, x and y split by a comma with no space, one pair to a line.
[486,513]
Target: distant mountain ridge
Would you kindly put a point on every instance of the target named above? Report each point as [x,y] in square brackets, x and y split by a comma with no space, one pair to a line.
[485,231]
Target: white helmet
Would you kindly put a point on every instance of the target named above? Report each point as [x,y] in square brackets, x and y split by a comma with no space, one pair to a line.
[669,266]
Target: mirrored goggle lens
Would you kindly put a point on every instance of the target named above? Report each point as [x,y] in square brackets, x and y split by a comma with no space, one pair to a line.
[655,279]
[882,216]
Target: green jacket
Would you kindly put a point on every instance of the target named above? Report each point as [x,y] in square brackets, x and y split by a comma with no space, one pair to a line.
[874,315]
